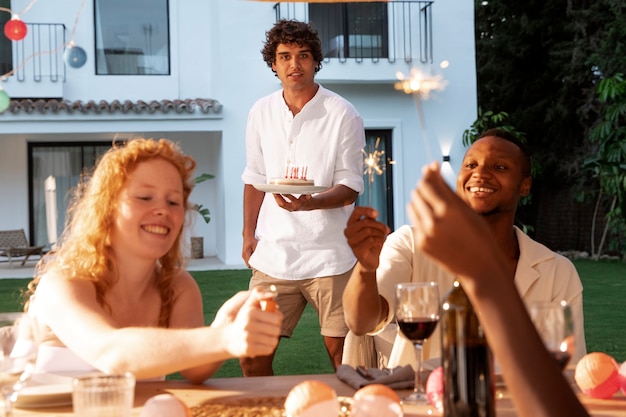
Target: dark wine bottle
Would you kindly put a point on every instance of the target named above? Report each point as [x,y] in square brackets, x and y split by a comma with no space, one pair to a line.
[468,375]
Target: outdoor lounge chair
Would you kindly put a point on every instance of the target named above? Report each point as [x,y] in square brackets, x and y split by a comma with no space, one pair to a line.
[13,244]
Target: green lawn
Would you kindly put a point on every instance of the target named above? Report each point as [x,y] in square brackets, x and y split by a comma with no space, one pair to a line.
[605,306]
[304,353]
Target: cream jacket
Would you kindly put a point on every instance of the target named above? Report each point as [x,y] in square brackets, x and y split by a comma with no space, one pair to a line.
[541,275]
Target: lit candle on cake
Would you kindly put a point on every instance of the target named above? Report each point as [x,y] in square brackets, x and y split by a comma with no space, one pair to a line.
[294,175]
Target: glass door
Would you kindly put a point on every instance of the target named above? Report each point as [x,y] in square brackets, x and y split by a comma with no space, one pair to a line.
[66,163]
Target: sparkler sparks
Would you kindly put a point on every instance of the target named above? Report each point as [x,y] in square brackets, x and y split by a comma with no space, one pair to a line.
[420,83]
[374,161]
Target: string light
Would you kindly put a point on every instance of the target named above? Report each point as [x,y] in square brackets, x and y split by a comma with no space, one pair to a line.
[15,29]
[75,56]
[4,100]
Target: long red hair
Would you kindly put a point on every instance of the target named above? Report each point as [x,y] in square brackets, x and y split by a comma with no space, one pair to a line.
[84,251]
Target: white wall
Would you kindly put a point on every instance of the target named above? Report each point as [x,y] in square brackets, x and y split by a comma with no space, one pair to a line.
[216,54]
[13,185]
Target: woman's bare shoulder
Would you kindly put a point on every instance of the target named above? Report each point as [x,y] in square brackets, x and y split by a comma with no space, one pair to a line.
[55,281]
[187,310]
[185,284]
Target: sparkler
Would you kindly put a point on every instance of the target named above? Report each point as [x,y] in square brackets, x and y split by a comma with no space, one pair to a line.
[420,86]
[373,161]
[419,83]
[374,164]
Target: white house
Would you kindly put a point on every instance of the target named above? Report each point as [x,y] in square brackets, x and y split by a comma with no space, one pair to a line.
[189,70]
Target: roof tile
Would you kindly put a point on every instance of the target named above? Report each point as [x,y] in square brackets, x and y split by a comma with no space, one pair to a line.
[56,106]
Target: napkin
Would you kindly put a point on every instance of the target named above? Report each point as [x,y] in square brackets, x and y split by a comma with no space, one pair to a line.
[400,377]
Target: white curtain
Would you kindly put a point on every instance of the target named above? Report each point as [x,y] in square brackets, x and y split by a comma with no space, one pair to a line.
[65,165]
[51,209]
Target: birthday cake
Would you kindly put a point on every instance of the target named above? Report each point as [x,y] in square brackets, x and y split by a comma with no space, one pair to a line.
[291,181]
[294,175]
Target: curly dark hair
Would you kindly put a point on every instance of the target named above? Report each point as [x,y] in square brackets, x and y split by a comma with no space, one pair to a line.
[288,32]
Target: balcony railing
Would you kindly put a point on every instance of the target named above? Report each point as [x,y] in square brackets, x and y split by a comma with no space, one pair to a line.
[39,56]
[393,30]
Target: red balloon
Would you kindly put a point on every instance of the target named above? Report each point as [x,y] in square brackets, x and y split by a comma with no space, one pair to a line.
[15,29]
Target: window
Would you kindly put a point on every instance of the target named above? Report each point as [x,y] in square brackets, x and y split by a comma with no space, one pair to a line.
[378,185]
[65,162]
[351,30]
[132,37]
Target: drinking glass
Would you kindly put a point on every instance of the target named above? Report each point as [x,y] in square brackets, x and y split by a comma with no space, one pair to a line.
[417,314]
[19,351]
[103,395]
[555,325]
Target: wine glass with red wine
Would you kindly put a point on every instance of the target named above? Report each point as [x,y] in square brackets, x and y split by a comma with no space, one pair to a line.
[555,325]
[417,314]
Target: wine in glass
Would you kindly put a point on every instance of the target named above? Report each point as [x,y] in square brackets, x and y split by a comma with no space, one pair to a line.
[555,325]
[417,315]
[19,352]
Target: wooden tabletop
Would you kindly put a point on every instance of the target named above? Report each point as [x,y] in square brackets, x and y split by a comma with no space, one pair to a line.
[235,392]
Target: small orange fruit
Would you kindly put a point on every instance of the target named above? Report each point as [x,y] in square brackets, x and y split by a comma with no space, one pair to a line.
[312,399]
[597,375]
[376,400]
[165,405]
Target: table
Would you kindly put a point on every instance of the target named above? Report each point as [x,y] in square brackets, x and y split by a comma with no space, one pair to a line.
[231,389]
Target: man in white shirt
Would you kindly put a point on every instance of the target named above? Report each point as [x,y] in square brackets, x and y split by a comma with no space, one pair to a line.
[494,175]
[296,242]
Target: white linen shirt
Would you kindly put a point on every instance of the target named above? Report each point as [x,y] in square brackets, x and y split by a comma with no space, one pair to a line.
[541,275]
[327,136]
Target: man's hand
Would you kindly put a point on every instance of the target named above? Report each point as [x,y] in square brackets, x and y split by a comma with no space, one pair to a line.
[366,236]
[336,196]
[249,246]
[291,203]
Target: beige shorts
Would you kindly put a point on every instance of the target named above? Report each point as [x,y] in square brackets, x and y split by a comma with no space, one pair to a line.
[323,293]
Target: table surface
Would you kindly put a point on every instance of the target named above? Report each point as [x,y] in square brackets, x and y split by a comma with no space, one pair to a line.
[233,390]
